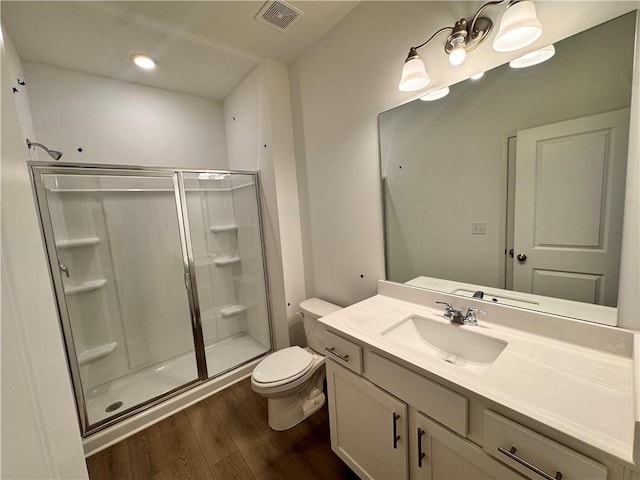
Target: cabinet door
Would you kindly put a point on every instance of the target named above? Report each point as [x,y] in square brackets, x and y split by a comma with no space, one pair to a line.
[439,454]
[368,426]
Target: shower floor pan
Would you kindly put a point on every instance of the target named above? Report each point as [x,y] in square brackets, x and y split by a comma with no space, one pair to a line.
[109,399]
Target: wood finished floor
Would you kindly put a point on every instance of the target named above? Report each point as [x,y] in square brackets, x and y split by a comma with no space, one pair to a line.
[225,436]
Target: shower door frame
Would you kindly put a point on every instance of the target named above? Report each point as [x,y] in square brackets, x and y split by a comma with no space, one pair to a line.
[37,169]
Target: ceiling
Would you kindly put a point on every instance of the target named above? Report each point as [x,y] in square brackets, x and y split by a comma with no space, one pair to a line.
[204,48]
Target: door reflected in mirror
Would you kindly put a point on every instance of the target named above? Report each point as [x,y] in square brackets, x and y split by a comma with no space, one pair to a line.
[515,182]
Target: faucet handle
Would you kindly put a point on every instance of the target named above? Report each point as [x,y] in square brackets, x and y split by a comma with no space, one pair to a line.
[470,317]
[449,311]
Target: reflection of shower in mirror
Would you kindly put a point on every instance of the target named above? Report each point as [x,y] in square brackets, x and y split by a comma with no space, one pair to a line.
[52,153]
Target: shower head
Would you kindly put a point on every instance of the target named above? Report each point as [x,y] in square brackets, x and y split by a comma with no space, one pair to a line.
[52,153]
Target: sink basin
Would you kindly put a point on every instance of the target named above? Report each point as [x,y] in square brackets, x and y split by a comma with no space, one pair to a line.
[454,344]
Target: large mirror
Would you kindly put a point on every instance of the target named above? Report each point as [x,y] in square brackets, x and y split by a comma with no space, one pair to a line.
[511,188]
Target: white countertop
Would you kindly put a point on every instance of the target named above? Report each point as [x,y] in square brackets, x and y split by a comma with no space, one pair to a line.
[583,391]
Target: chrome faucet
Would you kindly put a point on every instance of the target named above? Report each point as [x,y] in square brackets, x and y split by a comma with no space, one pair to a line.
[451,314]
[456,316]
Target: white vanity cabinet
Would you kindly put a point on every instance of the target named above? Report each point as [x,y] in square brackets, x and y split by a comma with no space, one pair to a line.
[439,454]
[368,426]
[381,437]
[389,422]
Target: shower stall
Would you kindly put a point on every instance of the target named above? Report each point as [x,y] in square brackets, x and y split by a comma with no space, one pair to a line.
[159,276]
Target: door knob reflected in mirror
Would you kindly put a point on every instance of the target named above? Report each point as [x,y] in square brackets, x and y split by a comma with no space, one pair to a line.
[521,257]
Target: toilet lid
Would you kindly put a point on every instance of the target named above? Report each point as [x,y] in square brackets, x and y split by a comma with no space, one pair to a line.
[283,364]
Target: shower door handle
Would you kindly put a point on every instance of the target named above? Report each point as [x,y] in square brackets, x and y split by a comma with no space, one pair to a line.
[64,269]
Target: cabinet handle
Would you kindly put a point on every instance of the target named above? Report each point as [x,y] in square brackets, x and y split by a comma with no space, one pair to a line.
[511,453]
[421,454]
[396,437]
[332,350]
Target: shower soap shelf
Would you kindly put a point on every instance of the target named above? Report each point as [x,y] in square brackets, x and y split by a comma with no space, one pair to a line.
[96,353]
[85,287]
[223,228]
[77,242]
[232,311]
[224,261]
[204,261]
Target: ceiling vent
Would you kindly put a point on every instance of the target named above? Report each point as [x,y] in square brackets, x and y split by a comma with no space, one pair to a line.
[278,14]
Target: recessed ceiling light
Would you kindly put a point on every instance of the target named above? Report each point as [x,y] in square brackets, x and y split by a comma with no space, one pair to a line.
[144,61]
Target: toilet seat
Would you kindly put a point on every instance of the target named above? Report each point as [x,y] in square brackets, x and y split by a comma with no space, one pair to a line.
[283,366]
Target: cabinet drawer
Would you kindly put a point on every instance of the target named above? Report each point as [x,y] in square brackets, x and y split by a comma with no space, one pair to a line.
[343,351]
[535,455]
[443,405]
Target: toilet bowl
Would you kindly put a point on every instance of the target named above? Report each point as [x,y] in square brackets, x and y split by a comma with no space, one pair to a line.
[292,378]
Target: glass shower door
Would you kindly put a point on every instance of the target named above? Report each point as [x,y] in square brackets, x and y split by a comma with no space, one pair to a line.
[224,229]
[118,257]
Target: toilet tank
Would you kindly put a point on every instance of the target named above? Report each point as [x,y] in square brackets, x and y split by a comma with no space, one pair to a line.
[312,309]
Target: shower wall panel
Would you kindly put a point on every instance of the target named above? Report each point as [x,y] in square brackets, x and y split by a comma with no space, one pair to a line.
[145,249]
[202,258]
[95,315]
[250,283]
[228,264]
[216,256]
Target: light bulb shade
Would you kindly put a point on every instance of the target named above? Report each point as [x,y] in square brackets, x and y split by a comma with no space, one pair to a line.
[533,58]
[519,27]
[457,55]
[436,95]
[414,75]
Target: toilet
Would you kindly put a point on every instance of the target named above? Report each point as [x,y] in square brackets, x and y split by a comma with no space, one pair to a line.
[292,378]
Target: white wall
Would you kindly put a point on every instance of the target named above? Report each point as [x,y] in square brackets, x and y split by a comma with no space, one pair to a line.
[340,86]
[247,133]
[259,136]
[40,434]
[286,187]
[123,123]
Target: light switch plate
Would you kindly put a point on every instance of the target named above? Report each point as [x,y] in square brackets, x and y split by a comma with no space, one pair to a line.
[478,228]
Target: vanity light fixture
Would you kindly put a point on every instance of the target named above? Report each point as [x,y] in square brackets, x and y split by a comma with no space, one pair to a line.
[518,28]
[456,45]
[144,61]
[435,95]
[414,74]
[533,58]
[477,76]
